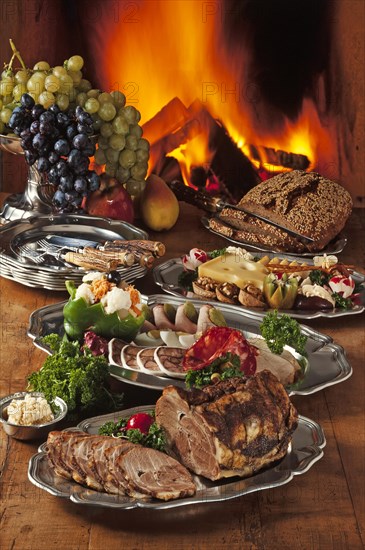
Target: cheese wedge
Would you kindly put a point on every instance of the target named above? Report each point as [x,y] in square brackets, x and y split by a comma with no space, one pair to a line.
[232,268]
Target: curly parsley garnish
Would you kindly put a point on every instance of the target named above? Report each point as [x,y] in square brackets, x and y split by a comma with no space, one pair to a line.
[281,331]
[77,376]
[226,366]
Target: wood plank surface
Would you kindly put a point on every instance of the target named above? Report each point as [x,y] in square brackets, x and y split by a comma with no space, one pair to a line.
[321,509]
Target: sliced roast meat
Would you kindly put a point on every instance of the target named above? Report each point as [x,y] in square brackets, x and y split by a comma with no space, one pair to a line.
[114,481]
[233,428]
[103,474]
[170,360]
[285,367]
[155,474]
[57,449]
[147,363]
[118,466]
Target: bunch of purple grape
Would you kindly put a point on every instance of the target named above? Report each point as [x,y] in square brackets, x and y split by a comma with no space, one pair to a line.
[58,143]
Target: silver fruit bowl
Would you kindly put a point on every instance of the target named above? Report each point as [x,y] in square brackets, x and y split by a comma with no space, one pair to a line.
[36,431]
[38,193]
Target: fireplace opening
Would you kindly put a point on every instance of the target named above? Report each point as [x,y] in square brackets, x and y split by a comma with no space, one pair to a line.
[231,92]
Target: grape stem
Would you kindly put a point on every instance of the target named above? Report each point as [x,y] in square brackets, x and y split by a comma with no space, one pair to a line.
[16,53]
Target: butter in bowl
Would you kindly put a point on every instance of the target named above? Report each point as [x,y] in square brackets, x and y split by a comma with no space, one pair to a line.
[28,416]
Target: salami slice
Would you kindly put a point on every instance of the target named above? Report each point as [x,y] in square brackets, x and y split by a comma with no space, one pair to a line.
[216,342]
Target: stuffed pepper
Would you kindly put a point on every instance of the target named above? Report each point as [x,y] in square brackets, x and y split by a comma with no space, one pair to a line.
[107,307]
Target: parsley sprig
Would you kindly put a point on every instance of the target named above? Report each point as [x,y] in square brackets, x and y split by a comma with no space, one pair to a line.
[155,437]
[226,366]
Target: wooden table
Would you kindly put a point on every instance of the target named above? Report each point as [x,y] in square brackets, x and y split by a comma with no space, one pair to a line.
[322,509]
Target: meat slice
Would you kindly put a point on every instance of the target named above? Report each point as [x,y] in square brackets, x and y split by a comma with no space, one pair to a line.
[146,361]
[57,449]
[204,321]
[155,474]
[117,466]
[115,347]
[160,318]
[233,428]
[169,360]
[129,357]
[285,367]
[182,321]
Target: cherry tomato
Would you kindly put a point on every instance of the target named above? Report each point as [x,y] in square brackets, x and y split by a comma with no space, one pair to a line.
[141,422]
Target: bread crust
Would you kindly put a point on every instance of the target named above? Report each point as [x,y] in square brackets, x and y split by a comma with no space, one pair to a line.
[304,202]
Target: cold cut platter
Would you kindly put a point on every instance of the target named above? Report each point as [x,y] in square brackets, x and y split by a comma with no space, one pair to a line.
[305,449]
[326,363]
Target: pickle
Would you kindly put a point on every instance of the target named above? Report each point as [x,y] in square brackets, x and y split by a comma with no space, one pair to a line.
[148,312]
[170,312]
[217,317]
[190,312]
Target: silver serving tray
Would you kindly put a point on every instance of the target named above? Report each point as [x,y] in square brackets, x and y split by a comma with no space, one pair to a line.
[305,449]
[52,274]
[334,247]
[166,276]
[326,362]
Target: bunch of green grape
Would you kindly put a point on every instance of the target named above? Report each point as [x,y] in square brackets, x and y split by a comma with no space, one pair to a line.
[121,148]
[121,152]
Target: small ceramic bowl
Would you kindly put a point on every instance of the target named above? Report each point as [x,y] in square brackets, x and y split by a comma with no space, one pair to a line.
[34,432]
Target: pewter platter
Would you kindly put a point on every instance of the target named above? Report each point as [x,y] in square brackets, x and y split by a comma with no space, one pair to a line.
[305,449]
[325,366]
[166,275]
[334,247]
[70,229]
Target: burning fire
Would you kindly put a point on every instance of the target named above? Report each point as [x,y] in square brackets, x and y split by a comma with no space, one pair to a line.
[173,54]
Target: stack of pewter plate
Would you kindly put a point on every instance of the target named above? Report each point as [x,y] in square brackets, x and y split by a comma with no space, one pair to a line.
[23,260]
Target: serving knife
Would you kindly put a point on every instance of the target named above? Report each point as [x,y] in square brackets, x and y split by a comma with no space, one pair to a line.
[216,205]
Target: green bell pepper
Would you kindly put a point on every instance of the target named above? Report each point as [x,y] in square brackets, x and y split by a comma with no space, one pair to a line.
[280,293]
[79,317]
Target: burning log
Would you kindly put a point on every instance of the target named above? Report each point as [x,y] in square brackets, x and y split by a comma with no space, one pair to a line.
[171,117]
[294,161]
[227,162]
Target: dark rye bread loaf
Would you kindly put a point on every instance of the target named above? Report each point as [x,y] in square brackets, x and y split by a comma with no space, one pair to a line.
[304,202]
[258,232]
[266,239]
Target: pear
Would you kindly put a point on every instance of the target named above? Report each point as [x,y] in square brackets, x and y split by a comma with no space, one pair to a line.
[159,206]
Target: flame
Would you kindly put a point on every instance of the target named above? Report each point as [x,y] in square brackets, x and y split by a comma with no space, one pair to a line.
[175,49]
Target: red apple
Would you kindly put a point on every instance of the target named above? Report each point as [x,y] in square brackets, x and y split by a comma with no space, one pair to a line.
[112,202]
